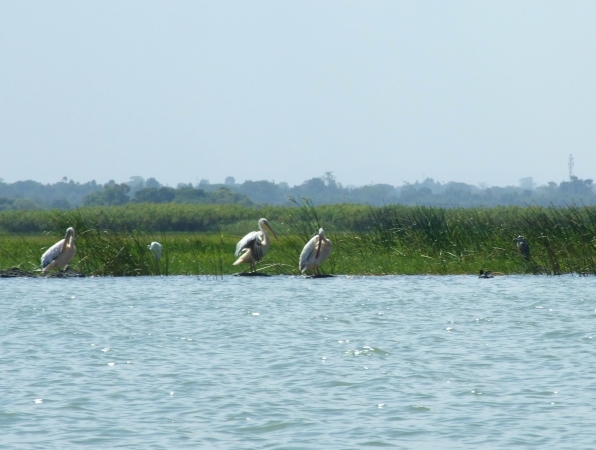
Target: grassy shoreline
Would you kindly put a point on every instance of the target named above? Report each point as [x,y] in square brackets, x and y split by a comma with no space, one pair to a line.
[212,254]
[366,241]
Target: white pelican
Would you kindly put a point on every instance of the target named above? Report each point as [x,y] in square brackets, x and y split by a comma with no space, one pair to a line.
[523,247]
[155,248]
[315,252]
[61,253]
[254,245]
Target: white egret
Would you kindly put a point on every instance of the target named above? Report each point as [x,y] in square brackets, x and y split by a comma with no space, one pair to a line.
[61,253]
[155,248]
[523,247]
[315,252]
[253,247]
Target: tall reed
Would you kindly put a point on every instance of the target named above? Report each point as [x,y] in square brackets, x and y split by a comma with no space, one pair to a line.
[562,240]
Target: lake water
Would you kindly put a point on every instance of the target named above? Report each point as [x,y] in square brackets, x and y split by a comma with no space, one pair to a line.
[287,362]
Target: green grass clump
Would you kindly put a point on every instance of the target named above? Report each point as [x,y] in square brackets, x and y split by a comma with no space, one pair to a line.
[104,252]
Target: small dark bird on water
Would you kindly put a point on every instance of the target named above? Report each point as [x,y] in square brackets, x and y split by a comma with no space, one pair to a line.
[487,274]
[523,247]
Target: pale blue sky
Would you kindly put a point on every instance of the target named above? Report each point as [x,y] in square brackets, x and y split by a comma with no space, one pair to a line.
[374,91]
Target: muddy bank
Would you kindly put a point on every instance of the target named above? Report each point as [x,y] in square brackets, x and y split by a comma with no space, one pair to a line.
[17,272]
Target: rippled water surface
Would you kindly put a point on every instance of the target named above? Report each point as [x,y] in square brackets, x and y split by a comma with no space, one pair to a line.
[287,362]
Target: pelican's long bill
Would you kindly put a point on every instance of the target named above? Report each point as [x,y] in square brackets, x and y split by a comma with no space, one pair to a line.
[266,224]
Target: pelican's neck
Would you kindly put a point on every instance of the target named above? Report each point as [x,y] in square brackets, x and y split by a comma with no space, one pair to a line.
[264,234]
[69,238]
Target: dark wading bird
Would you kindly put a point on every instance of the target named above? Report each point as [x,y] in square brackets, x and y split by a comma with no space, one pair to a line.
[523,247]
[254,246]
[59,254]
[487,274]
[315,252]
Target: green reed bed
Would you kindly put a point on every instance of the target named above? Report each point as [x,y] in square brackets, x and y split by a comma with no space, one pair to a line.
[173,217]
[562,240]
[366,240]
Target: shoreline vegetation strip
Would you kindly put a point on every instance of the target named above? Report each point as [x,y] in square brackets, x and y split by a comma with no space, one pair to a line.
[200,239]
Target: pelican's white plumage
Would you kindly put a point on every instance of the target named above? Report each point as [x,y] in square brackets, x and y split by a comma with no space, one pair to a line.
[155,248]
[61,253]
[315,252]
[254,246]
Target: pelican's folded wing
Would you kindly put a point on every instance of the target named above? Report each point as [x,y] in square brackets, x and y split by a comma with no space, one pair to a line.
[247,242]
[51,254]
[306,252]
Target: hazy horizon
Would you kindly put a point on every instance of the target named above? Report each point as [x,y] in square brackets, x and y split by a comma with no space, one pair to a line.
[376,92]
[130,180]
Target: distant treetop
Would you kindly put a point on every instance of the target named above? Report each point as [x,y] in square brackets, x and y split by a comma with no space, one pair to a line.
[320,190]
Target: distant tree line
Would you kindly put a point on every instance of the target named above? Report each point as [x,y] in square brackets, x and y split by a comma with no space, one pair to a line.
[24,195]
[120,194]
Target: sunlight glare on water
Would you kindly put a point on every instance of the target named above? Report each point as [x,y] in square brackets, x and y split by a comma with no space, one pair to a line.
[280,362]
